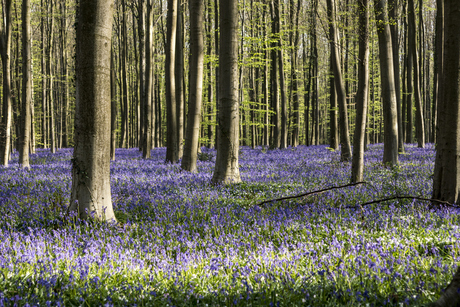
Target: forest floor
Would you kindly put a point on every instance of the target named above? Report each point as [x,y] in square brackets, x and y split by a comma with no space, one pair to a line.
[184,242]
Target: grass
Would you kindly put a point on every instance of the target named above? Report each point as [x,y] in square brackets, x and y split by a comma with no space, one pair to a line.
[185,242]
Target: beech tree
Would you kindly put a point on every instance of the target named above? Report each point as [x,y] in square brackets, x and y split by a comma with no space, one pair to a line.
[91,194]
[226,168]
[26,86]
[357,165]
[390,147]
[446,181]
[5,49]
[189,159]
[172,141]
[339,86]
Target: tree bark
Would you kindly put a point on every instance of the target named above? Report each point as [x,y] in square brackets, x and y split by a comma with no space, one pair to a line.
[26,85]
[438,66]
[5,50]
[91,196]
[148,91]
[394,29]
[419,127]
[226,167]
[172,143]
[113,108]
[274,81]
[196,61]
[179,78]
[390,148]
[357,164]
[339,86]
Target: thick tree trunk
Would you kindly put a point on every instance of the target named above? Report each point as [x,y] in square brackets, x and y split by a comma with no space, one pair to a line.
[26,85]
[339,86]
[189,159]
[5,44]
[357,164]
[91,194]
[390,115]
[226,167]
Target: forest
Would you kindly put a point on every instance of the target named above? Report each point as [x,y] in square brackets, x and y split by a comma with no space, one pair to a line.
[229,152]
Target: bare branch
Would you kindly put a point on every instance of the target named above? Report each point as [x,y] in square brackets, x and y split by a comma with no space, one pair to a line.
[310,193]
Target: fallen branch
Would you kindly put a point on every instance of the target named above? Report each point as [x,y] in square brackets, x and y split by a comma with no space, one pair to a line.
[309,193]
[402,197]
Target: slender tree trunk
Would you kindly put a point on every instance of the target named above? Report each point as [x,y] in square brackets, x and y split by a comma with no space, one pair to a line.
[357,164]
[179,78]
[113,108]
[438,65]
[172,143]
[393,6]
[226,167]
[274,81]
[148,91]
[334,129]
[216,44]
[196,61]
[390,148]
[50,79]
[91,161]
[419,127]
[339,85]
[5,52]
[124,78]
[141,28]
[210,70]
[26,85]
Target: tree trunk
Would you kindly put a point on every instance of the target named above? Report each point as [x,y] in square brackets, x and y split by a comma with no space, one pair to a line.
[179,78]
[5,44]
[357,164]
[148,91]
[124,79]
[390,148]
[113,108]
[419,127]
[393,5]
[226,167]
[274,81]
[339,86]
[438,65]
[141,28]
[26,85]
[189,159]
[209,67]
[91,196]
[333,123]
[50,79]
[172,143]
[446,182]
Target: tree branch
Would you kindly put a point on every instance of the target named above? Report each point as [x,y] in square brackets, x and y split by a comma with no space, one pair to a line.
[402,197]
[310,193]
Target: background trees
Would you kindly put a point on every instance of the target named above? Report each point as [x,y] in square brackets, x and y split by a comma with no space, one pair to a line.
[286,95]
